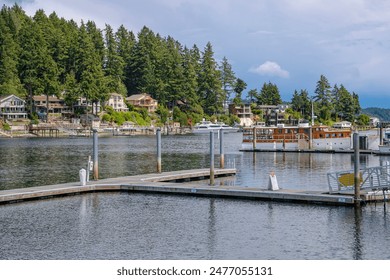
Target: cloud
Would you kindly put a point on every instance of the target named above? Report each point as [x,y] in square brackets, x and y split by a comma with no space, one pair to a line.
[270,68]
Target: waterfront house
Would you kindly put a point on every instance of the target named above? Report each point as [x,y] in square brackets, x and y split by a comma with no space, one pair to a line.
[52,104]
[243,112]
[143,101]
[117,102]
[374,122]
[12,107]
[84,105]
[273,114]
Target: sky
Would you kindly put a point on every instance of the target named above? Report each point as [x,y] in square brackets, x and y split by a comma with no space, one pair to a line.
[288,43]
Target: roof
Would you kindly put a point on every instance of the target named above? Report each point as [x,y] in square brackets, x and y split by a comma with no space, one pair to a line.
[115,94]
[5,97]
[43,98]
[139,96]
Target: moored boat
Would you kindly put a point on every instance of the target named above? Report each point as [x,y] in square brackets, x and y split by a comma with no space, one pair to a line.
[207,126]
[296,138]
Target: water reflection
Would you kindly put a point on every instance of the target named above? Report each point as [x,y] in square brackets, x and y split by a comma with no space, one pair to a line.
[140,226]
[211,228]
[357,244]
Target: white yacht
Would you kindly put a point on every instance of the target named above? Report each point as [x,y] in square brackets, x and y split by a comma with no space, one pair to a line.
[207,126]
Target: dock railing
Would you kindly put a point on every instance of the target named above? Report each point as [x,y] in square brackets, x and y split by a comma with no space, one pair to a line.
[372,178]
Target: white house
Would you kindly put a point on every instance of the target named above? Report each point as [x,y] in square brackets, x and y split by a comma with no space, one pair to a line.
[12,107]
[117,102]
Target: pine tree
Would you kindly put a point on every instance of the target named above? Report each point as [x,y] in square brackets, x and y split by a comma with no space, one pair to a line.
[228,79]
[252,94]
[269,95]
[9,79]
[125,43]
[323,98]
[210,87]
[90,74]
[113,64]
[190,83]
[141,73]
[239,87]
[38,70]
[173,76]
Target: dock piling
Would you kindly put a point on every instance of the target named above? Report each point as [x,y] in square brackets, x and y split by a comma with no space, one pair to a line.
[211,158]
[272,182]
[158,134]
[356,168]
[95,155]
[221,150]
[254,138]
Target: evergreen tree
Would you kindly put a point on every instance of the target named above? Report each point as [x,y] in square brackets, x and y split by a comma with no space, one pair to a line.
[90,74]
[125,43]
[345,104]
[269,95]
[172,72]
[210,87]
[190,82]
[239,87]
[323,98]
[357,109]
[9,79]
[228,79]
[113,64]
[37,68]
[252,94]
[141,73]
[300,102]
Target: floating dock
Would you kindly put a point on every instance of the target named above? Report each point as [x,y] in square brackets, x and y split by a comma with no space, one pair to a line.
[184,183]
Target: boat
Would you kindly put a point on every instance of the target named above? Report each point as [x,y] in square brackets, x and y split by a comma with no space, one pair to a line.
[207,126]
[384,149]
[296,138]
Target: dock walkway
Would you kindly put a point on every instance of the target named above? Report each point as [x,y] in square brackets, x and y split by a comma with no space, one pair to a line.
[172,183]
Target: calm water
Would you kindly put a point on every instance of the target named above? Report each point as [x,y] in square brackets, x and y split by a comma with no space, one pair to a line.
[149,226]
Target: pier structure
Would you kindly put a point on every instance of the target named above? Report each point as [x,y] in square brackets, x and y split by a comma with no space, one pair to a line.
[44,131]
[184,182]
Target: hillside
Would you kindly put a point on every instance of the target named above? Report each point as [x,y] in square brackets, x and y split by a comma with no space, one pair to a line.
[382,114]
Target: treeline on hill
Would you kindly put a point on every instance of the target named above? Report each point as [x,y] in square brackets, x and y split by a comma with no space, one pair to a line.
[380,113]
[51,55]
[329,104]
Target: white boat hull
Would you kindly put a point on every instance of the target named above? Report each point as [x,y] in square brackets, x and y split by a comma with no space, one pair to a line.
[216,130]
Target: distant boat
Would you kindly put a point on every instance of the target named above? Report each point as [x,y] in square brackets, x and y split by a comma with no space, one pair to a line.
[207,126]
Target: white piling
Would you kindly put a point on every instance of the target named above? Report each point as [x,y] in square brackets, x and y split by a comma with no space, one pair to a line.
[273,182]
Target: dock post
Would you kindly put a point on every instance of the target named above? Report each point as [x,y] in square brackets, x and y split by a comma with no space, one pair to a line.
[380,134]
[95,155]
[211,158]
[356,168]
[254,138]
[221,152]
[158,133]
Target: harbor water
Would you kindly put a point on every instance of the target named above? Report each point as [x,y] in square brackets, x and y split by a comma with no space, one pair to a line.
[152,226]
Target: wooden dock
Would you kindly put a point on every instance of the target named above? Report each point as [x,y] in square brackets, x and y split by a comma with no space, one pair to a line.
[172,183]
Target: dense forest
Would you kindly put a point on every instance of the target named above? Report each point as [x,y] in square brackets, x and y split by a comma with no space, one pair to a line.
[51,55]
